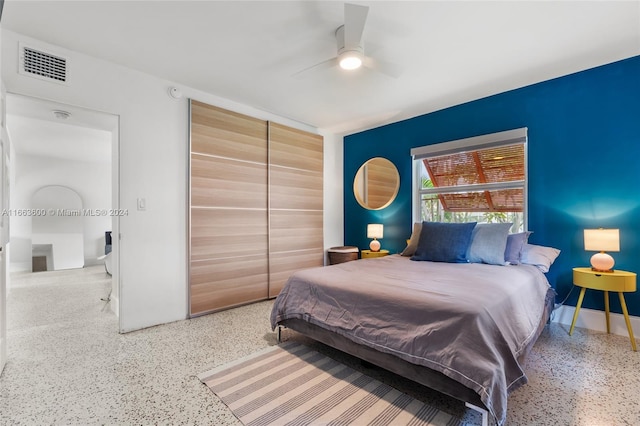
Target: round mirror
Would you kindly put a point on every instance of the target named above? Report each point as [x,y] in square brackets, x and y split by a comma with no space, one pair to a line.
[376,184]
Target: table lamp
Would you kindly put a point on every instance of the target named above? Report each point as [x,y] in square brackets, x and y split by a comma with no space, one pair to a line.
[375,231]
[602,240]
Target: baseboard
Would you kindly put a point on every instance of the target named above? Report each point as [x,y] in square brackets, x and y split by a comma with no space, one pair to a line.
[20,267]
[114,304]
[595,320]
[3,353]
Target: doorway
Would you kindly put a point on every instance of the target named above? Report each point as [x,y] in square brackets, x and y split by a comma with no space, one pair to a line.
[63,183]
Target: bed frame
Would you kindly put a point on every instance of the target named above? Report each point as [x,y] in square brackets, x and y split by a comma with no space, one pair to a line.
[420,374]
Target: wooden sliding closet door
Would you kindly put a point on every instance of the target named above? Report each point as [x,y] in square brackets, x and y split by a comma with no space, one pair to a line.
[295,203]
[228,209]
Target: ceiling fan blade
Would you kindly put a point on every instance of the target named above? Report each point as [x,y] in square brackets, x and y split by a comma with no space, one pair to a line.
[355,17]
[329,63]
[392,70]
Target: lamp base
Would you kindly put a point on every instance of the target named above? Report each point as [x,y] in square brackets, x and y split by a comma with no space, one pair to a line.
[374,245]
[601,270]
[602,262]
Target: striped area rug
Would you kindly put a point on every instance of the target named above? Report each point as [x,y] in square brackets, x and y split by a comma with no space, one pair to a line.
[290,384]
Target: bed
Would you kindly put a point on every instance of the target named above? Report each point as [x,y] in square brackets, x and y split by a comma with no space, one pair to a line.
[463,329]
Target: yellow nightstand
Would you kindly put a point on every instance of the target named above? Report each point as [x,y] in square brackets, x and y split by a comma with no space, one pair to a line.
[618,281]
[367,254]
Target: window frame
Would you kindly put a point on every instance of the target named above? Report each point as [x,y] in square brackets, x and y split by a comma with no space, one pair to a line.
[492,140]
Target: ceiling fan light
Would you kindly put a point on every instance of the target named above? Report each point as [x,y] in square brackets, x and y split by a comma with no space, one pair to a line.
[350,61]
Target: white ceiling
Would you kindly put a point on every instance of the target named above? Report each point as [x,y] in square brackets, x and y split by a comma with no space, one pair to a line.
[450,51]
[84,136]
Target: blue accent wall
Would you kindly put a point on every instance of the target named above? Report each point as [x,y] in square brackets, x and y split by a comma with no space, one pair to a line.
[583,166]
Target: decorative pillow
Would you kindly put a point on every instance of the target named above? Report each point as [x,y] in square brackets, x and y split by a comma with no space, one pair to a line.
[488,243]
[540,256]
[410,250]
[515,242]
[444,242]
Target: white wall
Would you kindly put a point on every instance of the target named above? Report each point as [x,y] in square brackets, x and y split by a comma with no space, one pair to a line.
[4,147]
[92,182]
[153,146]
[65,249]
[333,192]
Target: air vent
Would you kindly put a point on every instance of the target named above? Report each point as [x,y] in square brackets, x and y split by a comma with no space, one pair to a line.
[45,66]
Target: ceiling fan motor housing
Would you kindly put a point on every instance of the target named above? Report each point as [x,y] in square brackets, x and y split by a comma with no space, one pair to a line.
[341,45]
[349,57]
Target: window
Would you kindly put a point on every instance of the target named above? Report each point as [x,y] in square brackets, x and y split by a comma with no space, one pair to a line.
[480,179]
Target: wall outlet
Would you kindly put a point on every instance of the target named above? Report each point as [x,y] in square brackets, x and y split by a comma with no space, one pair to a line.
[142,204]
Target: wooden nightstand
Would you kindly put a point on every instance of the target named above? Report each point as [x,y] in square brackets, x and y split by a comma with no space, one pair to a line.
[618,281]
[367,254]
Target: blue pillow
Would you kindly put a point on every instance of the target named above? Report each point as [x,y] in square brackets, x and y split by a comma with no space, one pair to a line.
[488,243]
[515,243]
[444,242]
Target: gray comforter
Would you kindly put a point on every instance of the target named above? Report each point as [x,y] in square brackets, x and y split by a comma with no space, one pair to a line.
[470,322]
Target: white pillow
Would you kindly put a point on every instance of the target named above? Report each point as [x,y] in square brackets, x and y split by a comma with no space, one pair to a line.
[411,248]
[540,256]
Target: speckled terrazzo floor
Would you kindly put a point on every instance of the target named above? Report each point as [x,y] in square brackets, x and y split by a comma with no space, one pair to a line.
[69,366]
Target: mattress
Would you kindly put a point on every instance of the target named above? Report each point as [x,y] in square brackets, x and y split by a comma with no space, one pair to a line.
[473,323]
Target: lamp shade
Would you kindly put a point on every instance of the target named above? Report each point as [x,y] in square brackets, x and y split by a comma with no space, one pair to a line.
[375,230]
[602,239]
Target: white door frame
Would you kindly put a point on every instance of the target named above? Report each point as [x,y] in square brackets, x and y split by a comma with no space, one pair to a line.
[4,243]
[4,227]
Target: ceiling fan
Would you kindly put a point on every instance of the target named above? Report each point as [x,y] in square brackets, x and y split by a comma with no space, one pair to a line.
[350,55]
